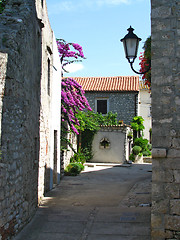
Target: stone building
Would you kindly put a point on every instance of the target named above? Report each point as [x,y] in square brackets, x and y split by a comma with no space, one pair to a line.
[165,220]
[49,155]
[30,70]
[112,94]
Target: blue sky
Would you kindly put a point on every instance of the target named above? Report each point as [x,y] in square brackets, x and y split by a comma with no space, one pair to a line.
[98,26]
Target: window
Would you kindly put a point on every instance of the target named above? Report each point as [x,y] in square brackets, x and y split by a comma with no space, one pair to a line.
[42,3]
[102,106]
[48,83]
[104,144]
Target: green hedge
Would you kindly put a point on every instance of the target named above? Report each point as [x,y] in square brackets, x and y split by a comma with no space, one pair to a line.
[73,169]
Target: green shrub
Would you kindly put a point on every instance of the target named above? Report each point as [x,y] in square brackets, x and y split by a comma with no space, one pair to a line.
[143,143]
[137,123]
[132,157]
[146,153]
[78,157]
[73,169]
[136,150]
[149,146]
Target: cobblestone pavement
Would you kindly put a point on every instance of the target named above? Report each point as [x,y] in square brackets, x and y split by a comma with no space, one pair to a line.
[102,203]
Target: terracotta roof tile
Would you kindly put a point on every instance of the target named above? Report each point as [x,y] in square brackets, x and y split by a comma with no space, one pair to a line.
[118,83]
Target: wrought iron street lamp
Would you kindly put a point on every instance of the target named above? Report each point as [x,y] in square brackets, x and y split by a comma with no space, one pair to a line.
[131,44]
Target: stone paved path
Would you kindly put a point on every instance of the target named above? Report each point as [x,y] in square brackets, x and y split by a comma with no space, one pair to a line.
[102,203]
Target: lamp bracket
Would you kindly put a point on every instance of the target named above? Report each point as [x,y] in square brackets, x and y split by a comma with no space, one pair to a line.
[131,64]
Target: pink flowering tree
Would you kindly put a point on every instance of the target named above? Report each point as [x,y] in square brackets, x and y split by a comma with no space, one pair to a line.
[145,62]
[72,94]
[69,52]
[72,100]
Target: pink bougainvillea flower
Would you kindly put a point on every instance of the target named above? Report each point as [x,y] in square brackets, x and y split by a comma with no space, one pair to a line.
[72,94]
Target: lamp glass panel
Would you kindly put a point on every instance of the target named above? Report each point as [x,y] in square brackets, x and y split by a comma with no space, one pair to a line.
[131,47]
[125,49]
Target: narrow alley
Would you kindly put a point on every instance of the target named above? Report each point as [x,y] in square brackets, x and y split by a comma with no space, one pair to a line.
[102,203]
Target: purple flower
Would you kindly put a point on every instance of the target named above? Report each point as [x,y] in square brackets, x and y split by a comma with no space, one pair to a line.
[72,94]
[74,129]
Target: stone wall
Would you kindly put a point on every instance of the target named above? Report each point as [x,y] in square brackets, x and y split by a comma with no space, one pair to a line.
[20,110]
[124,103]
[166,119]
[30,112]
[45,107]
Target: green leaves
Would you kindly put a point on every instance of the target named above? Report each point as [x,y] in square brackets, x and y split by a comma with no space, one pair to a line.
[136,150]
[91,121]
[73,169]
[145,146]
[137,123]
[89,124]
[87,120]
[2,5]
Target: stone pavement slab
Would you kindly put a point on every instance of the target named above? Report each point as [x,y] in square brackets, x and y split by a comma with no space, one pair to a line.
[103,203]
[116,237]
[123,214]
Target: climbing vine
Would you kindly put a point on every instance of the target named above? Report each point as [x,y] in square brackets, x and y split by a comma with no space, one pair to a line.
[90,123]
[145,62]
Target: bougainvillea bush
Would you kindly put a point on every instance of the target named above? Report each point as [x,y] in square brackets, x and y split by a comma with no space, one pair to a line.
[72,100]
[145,62]
[72,94]
[69,52]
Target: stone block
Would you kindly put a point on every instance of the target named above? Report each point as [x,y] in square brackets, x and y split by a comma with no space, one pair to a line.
[172,190]
[172,222]
[173,153]
[175,207]
[172,163]
[167,89]
[156,163]
[177,176]
[161,142]
[168,234]
[161,12]
[160,206]
[158,234]
[158,153]
[2,194]
[156,221]
[165,176]
[176,142]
